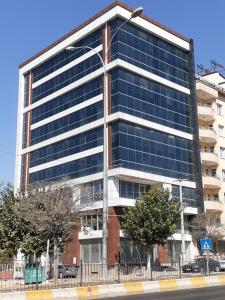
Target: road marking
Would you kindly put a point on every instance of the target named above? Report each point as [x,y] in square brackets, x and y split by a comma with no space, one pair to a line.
[87,292]
[168,285]
[221,279]
[198,281]
[134,288]
[39,295]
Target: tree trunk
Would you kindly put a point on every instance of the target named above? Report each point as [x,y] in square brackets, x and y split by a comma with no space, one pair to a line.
[55,263]
[149,263]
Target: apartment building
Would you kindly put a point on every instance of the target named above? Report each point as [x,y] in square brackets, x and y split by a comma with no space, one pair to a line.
[211,113]
[146,132]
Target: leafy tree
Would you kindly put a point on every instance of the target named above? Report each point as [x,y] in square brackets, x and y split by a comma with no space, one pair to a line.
[153,218]
[53,213]
[12,227]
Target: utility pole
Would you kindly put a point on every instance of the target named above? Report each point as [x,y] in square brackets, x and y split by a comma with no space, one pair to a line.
[182,223]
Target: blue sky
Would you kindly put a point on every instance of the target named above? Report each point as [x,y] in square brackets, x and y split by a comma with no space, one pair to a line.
[28,26]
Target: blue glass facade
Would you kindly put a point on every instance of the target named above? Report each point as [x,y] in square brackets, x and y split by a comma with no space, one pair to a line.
[151,151]
[132,190]
[69,122]
[78,71]
[74,169]
[150,100]
[189,195]
[65,57]
[150,53]
[67,100]
[75,144]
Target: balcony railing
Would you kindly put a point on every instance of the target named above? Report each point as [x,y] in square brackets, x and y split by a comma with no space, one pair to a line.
[206,127]
[214,199]
[208,150]
[205,174]
[204,105]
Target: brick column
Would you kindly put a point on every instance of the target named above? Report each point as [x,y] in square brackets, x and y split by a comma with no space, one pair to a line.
[113,235]
[72,250]
[163,254]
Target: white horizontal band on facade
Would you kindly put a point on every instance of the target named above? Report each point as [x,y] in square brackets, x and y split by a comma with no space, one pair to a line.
[94,234]
[66,159]
[149,177]
[97,23]
[97,73]
[68,66]
[126,202]
[149,124]
[156,30]
[67,111]
[110,118]
[133,176]
[152,76]
[64,135]
[65,89]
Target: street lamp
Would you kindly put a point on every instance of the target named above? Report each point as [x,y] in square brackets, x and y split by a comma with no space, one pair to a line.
[137,12]
[183,250]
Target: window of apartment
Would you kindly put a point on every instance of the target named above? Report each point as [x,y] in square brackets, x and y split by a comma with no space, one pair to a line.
[222,152]
[221,130]
[209,172]
[219,109]
[91,251]
[91,222]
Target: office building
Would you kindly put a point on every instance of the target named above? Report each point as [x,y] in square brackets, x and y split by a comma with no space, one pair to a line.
[152,125]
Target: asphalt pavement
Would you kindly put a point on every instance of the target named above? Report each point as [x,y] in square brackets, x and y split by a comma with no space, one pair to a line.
[210,293]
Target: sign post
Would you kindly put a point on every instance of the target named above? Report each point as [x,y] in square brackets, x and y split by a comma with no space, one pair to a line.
[206,246]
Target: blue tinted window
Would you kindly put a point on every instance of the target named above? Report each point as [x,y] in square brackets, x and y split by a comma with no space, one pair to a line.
[74,169]
[189,195]
[150,52]
[132,190]
[151,151]
[69,122]
[84,68]
[64,57]
[150,100]
[67,100]
[75,144]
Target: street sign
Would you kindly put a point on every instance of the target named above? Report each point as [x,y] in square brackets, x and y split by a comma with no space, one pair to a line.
[206,244]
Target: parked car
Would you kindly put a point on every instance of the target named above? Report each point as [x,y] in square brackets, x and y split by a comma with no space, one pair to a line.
[67,271]
[200,265]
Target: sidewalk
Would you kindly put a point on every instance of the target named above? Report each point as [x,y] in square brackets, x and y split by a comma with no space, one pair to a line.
[104,291]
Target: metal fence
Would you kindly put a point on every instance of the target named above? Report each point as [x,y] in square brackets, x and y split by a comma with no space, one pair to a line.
[20,276]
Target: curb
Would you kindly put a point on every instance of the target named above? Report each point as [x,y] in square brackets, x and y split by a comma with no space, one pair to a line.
[113,290]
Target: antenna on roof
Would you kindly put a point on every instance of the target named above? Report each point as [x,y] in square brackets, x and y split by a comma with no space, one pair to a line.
[215,66]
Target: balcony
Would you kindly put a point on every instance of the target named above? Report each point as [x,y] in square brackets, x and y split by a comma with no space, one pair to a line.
[210,180]
[209,157]
[213,204]
[205,92]
[205,112]
[207,134]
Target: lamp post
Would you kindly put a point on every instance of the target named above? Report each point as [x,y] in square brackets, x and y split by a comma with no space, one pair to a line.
[182,221]
[137,12]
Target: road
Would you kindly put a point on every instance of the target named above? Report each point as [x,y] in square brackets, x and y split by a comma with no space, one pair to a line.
[210,293]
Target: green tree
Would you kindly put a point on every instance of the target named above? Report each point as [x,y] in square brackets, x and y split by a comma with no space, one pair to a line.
[12,227]
[153,218]
[53,212]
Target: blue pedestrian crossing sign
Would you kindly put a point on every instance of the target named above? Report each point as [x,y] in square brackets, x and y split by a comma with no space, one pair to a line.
[206,244]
